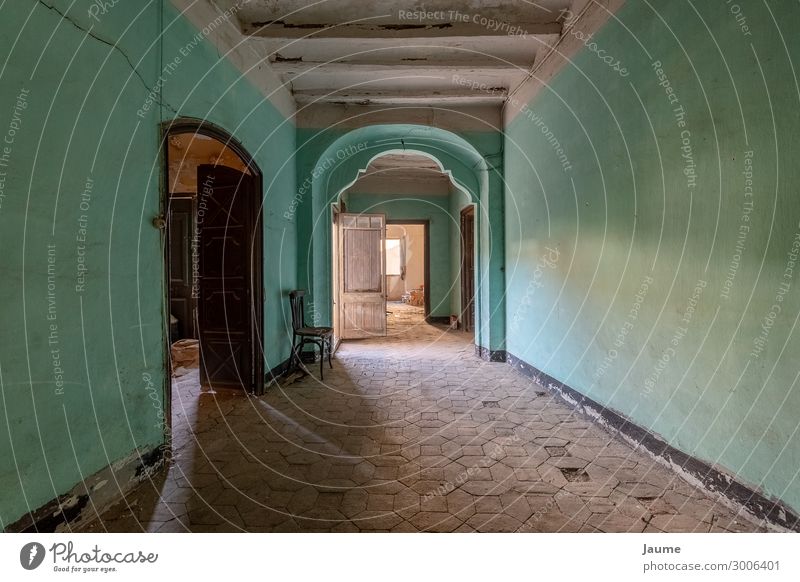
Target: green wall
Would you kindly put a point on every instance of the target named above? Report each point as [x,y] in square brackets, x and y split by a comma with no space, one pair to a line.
[432,208]
[655,271]
[82,368]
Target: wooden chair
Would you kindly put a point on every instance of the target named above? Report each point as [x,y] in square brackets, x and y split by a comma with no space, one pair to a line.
[322,337]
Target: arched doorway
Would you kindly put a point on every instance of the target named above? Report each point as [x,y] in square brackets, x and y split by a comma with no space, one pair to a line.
[213,255]
[420,205]
[339,164]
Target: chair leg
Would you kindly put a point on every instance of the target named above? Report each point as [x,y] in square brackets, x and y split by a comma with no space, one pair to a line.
[322,360]
[293,355]
[300,364]
[330,349]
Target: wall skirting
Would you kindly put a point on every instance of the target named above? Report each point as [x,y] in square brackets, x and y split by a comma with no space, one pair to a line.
[279,371]
[490,355]
[93,494]
[722,484]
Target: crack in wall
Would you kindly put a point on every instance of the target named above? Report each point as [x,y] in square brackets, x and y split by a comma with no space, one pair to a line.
[115,46]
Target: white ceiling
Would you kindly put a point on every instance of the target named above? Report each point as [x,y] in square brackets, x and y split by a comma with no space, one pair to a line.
[466,52]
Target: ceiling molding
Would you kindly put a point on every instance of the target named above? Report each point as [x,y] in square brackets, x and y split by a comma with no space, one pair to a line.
[486,67]
[283,30]
[420,97]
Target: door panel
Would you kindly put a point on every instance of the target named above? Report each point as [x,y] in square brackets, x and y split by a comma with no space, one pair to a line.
[362,280]
[181,231]
[362,265]
[227,227]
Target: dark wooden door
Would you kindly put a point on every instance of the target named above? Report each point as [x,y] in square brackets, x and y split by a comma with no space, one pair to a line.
[228,224]
[182,294]
[468,269]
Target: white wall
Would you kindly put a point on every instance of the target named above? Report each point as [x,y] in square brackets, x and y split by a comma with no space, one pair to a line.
[415,259]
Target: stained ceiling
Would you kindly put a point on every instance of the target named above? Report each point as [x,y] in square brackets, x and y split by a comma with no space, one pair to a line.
[432,52]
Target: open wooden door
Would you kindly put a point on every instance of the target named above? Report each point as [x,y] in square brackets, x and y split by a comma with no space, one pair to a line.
[362,275]
[182,293]
[230,285]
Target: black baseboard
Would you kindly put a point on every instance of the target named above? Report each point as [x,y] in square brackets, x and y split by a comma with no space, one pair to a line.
[49,517]
[277,371]
[309,356]
[72,509]
[712,479]
[438,319]
[490,355]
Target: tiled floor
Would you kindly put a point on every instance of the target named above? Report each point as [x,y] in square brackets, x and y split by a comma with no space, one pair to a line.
[411,432]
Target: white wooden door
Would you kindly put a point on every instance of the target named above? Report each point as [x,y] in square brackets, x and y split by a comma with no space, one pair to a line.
[362,275]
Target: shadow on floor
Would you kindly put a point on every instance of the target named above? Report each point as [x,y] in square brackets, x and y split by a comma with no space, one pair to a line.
[411,432]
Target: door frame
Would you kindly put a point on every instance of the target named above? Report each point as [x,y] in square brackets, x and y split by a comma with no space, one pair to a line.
[467,211]
[203,127]
[336,209]
[427,278]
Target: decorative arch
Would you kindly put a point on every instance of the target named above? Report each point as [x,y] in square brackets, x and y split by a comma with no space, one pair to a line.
[446,171]
[348,156]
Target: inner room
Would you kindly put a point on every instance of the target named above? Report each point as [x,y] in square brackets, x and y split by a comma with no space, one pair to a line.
[406,277]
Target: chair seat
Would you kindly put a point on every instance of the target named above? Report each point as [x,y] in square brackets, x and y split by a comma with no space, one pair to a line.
[314,331]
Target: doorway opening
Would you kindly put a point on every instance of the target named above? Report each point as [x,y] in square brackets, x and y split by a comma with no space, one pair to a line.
[414,267]
[467,230]
[407,249]
[213,259]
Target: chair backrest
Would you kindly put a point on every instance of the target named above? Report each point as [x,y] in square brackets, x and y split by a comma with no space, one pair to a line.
[298,313]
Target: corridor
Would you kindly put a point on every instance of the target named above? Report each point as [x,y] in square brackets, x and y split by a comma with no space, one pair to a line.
[553,249]
[411,432]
